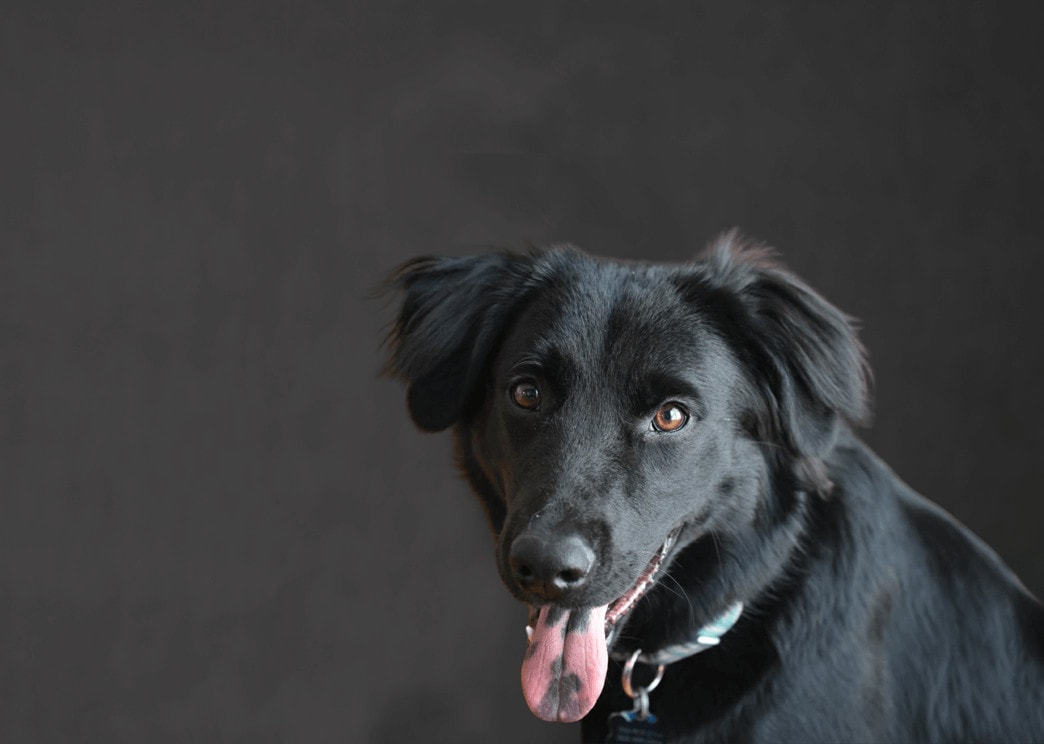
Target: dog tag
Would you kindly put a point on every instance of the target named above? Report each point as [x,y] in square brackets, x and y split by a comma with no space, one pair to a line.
[628,728]
[636,726]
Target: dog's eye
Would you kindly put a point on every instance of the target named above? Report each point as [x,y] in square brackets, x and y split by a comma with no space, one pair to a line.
[670,417]
[526,395]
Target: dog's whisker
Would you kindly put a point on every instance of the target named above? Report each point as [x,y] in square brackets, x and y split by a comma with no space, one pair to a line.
[717,548]
[681,593]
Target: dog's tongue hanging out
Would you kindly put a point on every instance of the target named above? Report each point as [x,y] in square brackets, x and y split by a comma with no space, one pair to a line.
[564,667]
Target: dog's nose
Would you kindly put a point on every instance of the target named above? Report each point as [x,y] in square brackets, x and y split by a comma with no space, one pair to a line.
[550,567]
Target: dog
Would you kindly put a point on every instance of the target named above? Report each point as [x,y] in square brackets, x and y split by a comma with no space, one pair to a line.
[668,460]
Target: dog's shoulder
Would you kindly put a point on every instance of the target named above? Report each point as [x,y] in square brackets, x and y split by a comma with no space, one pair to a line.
[940,608]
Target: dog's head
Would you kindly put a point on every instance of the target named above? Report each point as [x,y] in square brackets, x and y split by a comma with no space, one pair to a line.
[612,414]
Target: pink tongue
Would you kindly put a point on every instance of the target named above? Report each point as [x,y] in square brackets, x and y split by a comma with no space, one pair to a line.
[564,667]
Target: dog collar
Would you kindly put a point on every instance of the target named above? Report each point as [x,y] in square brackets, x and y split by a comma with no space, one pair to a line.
[706,637]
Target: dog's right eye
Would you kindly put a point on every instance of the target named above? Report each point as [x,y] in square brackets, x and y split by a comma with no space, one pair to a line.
[525,395]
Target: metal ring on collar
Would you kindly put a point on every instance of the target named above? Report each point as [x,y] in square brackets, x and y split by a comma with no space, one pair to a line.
[629,669]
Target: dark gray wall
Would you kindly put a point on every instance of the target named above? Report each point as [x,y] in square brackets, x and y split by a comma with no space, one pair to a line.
[216,524]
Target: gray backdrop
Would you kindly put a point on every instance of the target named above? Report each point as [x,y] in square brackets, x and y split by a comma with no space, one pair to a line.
[216,523]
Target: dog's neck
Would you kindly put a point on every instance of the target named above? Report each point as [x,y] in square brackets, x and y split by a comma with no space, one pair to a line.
[711,580]
[705,637]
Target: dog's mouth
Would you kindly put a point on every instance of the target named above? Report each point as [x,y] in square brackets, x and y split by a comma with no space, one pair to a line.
[619,609]
[568,654]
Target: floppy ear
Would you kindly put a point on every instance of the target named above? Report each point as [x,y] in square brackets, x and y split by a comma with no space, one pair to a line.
[453,312]
[801,351]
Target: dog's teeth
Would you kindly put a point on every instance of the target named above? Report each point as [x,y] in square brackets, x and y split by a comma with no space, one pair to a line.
[529,633]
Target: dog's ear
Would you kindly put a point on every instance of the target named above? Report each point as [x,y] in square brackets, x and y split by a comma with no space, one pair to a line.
[801,351]
[452,314]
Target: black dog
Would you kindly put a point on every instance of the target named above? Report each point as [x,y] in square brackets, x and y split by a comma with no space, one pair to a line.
[666,457]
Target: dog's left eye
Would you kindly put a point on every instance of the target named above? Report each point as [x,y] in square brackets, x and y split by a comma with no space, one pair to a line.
[670,417]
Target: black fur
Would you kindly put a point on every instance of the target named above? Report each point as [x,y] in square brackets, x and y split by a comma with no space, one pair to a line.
[871,615]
